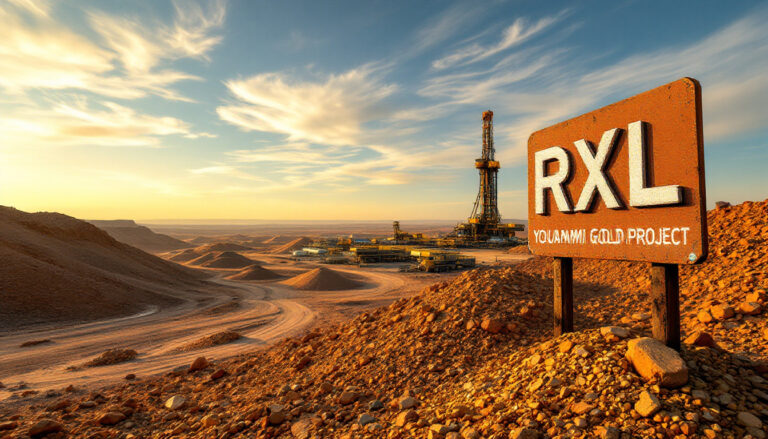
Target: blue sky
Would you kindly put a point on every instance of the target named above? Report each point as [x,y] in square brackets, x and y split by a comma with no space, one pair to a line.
[344,110]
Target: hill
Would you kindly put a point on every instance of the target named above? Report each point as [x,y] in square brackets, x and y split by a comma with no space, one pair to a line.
[228,259]
[255,272]
[56,269]
[128,232]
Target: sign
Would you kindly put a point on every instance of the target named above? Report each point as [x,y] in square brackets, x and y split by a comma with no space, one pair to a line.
[622,182]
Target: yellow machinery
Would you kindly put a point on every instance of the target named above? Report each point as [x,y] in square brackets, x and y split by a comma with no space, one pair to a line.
[440,260]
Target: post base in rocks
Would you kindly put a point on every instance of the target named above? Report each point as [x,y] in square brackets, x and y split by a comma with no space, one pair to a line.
[563,277]
[665,304]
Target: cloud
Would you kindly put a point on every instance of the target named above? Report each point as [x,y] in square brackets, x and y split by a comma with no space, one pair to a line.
[37,52]
[331,111]
[518,32]
[75,123]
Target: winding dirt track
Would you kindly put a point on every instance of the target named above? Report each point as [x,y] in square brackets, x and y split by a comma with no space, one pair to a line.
[261,312]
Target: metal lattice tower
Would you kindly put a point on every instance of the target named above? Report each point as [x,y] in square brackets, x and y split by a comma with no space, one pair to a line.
[485,213]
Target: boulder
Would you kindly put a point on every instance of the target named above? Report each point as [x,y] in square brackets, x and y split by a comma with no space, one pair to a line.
[524,433]
[750,308]
[656,362]
[200,363]
[647,405]
[405,417]
[701,338]
[614,331]
[111,418]
[301,429]
[175,402]
[43,427]
[722,312]
[494,326]
[748,419]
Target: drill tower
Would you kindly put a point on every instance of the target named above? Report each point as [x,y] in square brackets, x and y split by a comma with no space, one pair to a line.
[485,212]
[485,221]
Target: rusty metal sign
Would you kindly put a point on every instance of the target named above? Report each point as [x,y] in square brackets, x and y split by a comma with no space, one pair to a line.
[622,182]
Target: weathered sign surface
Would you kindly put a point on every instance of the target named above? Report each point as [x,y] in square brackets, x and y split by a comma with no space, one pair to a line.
[622,182]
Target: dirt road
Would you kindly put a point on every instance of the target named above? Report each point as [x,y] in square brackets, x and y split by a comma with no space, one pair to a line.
[261,312]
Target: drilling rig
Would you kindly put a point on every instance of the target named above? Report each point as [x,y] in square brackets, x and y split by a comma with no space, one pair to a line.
[485,221]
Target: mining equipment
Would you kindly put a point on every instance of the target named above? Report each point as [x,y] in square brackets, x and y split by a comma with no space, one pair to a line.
[431,260]
[401,237]
[484,223]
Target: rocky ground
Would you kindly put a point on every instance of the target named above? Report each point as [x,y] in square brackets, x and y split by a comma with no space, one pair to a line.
[475,358]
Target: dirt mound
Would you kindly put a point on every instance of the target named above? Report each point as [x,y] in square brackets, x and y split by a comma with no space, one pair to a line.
[519,250]
[183,256]
[217,339]
[296,244]
[229,260]
[112,356]
[56,269]
[138,236]
[221,247]
[255,272]
[322,279]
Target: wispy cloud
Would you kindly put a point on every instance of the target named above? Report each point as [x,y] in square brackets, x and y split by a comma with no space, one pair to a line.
[516,33]
[331,111]
[81,76]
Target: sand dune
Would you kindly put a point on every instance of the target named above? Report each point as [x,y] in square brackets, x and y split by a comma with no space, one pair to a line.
[229,260]
[322,279]
[296,244]
[128,232]
[255,272]
[56,268]
[184,256]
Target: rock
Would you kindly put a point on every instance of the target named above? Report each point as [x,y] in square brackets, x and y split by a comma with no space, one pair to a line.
[365,418]
[640,316]
[217,374]
[722,204]
[647,405]
[200,363]
[700,338]
[406,402]
[375,405]
[111,418]
[494,326]
[175,402]
[439,429]
[470,433]
[565,346]
[43,427]
[130,376]
[581,407]
[301,429]
[347,398]
[722,312]
[210,420]
[524,433]
[757,296]
[405,417]
[747,419]
[656,362]
[276,414]
[614,331]
[765,333]
[750,308]
[608,432]
[705,316]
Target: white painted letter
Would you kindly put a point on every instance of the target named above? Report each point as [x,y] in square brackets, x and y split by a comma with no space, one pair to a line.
[639,195]
[554,181]
[595,163]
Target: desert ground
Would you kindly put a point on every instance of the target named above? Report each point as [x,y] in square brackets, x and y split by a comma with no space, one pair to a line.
[267,347]
[260,311]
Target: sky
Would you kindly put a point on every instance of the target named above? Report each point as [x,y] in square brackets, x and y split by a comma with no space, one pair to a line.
[338,110]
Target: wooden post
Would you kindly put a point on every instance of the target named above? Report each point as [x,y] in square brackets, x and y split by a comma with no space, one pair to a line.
[665,304]
[563,276]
